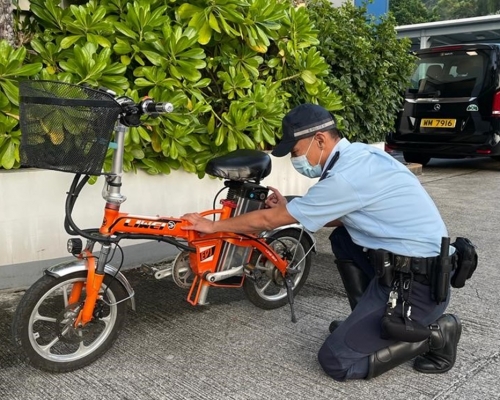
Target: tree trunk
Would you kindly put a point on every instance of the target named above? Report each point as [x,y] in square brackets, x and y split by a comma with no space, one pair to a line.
[6,21]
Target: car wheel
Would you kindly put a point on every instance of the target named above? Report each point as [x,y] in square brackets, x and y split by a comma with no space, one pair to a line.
[416,158]
[496,158]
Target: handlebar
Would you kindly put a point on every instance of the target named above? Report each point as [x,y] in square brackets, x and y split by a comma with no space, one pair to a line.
[132,111]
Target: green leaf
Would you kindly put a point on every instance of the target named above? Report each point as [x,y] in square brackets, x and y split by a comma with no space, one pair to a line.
[212,20]
[138,154]
[69,41]
[122,47]
[4,102]
[187,10]
[308,77]
[115,69]
[211,124]
[153,57]
[220,136]
[29,69]
[11,90]
[141,82]
[205,33]
[9,155]
[125,30]
[231,142]
[144,134]
[100,40]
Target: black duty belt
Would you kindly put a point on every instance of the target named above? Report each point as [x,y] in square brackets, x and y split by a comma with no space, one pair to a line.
[422,266]
[417,265]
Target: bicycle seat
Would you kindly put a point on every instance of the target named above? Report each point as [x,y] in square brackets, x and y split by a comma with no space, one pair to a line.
[240,165]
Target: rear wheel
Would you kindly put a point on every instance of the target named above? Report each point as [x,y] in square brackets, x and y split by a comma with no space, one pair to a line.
[416,158]
[496,158]
[266,289]
[43,327]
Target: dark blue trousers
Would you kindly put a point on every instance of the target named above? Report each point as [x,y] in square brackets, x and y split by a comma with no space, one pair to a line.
[345,353]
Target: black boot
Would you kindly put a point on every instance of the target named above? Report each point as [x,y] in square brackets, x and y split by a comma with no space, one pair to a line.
[445,334]
[355,283]
[394,355]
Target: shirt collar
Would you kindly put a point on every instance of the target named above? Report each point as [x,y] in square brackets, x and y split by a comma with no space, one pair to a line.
[340,146]
[333,157]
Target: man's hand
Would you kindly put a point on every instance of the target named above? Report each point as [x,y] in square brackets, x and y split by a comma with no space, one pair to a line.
[198,223]
[275,199]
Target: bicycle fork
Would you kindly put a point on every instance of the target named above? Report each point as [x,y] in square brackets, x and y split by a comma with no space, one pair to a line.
[95,278]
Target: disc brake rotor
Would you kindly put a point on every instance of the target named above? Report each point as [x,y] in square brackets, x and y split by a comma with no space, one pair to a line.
[182,274]
[65,325]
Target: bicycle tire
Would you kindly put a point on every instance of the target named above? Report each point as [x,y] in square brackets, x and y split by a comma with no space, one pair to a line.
[32,328]
[269,302]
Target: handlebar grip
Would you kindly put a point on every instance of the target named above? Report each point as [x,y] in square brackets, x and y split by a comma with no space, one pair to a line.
[151,107]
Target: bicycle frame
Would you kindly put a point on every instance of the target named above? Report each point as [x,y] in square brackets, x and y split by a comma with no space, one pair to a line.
[205,249]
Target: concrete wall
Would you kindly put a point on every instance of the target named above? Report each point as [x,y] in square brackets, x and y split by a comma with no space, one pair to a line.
[32,235]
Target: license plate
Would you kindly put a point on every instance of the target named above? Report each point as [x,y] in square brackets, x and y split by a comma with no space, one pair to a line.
[437,123]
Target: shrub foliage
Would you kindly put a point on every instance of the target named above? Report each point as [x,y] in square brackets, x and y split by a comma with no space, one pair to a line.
[370,67]
[231,68]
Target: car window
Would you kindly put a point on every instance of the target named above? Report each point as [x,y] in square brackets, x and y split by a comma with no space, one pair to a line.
[448,74]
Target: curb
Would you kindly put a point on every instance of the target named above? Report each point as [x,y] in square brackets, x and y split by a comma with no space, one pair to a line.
[415,168]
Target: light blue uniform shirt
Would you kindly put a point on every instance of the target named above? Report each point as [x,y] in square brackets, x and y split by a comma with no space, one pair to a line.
[380,202]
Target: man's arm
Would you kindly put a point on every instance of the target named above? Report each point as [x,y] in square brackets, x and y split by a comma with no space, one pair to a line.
[251,222]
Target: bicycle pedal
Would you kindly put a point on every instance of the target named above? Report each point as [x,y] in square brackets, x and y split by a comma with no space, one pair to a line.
[252,273]
[148,269]
[158,273]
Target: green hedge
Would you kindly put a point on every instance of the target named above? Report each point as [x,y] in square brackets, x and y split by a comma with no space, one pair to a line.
[232,69]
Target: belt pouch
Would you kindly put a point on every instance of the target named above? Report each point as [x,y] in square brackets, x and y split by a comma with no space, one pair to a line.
[384,269]
[466,258]
[395,327]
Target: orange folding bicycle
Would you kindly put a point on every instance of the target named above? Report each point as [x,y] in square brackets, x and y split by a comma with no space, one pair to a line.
[73,314]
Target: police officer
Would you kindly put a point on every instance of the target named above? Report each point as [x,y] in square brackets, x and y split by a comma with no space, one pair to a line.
[376,204]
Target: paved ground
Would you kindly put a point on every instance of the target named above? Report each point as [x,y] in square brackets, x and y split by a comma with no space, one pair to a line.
[233,350]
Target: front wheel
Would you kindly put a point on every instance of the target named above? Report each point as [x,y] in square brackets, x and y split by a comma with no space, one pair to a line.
[43,327]
[266,289]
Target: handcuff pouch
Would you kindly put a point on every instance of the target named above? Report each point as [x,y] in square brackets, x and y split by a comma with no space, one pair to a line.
[395,327]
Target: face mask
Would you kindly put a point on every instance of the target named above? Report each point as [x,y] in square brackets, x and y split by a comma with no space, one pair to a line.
[303,167]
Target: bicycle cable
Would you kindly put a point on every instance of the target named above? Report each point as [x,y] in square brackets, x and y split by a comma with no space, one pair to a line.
[108,259]
[215,199]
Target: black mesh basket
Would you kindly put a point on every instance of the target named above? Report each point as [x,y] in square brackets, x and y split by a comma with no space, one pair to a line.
[65,127]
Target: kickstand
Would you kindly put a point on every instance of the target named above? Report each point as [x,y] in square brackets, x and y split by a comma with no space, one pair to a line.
[289,292]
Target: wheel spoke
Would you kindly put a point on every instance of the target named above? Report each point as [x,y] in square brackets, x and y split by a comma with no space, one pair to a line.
[46,349]
[39,317]
[106,319]
[263,289]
